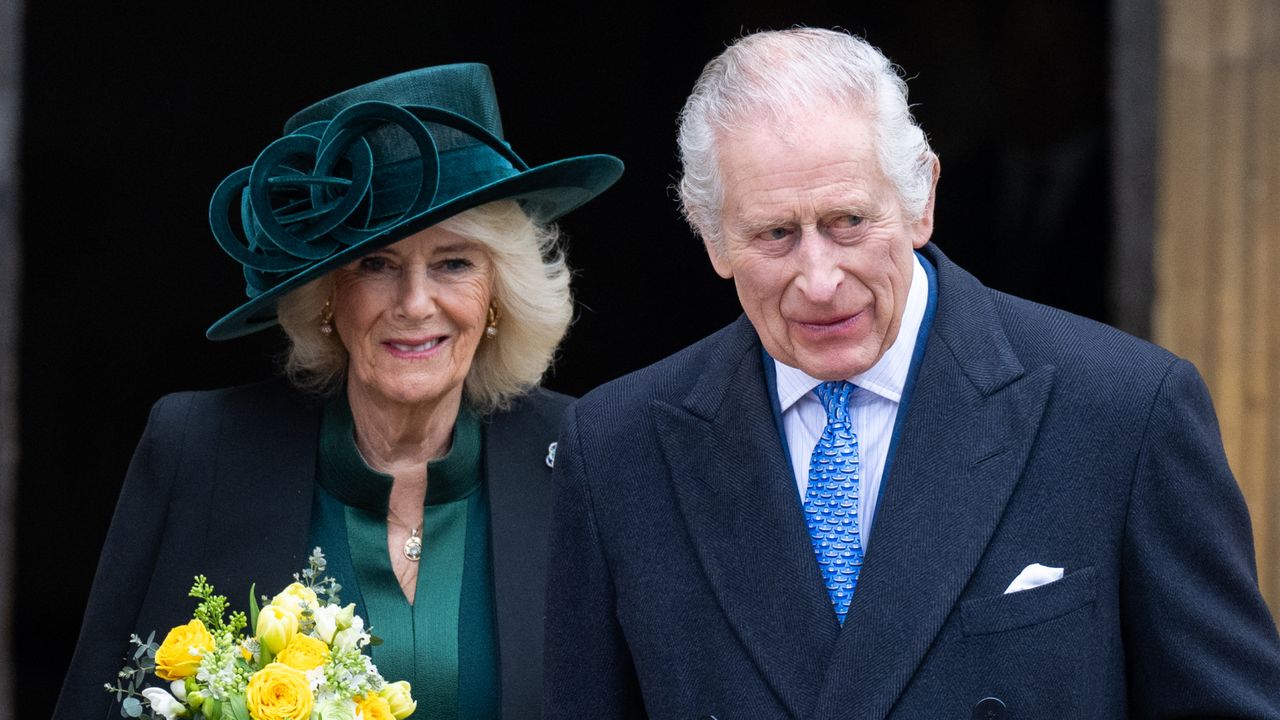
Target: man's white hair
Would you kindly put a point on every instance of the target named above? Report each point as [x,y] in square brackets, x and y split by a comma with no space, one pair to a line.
[770,76]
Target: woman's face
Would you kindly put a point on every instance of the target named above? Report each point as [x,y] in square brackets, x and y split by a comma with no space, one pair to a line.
[411,316]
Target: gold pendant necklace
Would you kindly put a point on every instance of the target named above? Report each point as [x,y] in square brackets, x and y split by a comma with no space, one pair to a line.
[413,547]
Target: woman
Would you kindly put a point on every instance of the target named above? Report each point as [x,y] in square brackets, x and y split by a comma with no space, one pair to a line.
[404,249]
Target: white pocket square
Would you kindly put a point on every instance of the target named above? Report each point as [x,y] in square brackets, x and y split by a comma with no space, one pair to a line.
[1033,575]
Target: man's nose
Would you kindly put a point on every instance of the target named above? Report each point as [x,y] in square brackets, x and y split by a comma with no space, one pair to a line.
[819,273]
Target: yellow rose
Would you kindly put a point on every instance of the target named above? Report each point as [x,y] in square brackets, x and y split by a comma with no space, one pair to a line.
[304,653]
[398,699]
[174,659]
[293,597]
[278,692]
[276,627]
[373,707]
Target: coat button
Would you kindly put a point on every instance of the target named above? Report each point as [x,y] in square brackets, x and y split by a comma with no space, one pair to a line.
[990,709]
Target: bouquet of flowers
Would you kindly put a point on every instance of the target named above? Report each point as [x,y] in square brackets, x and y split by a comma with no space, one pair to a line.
[303,661]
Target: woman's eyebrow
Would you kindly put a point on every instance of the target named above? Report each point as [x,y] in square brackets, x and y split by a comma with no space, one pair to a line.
[461,246]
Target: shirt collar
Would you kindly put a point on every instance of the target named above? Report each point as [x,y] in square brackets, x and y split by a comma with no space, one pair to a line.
[888,377]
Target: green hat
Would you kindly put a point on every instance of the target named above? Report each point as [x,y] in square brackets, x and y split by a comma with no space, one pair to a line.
[371,166]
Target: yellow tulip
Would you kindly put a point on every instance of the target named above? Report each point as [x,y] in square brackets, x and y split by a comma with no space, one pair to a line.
[276,627]
[398,699]
[294,597]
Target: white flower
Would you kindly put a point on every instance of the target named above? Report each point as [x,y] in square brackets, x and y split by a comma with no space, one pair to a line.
[315,679]
[179,689]
[346,617]
[353,637]
[326,617]
[337,709]
[164,703]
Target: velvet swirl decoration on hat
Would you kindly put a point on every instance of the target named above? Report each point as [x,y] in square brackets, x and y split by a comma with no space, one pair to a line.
[330,191]
[309,196]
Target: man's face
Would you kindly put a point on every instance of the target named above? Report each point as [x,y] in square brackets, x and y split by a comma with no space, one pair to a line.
[816,240]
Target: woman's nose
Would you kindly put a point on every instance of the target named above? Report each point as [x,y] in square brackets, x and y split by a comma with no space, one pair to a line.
[417,296]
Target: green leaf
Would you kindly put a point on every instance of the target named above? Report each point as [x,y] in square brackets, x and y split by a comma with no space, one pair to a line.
[139,652]
[235,709]
[253,609]
[131,707]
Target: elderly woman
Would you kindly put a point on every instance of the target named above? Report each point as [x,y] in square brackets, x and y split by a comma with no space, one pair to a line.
[405,250]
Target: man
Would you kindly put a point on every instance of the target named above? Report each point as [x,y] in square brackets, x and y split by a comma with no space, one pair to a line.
[887,491]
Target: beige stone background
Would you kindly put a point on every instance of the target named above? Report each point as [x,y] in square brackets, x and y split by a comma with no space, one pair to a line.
[1217,233]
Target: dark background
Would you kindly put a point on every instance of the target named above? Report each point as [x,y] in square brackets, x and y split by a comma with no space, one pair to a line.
[132,117]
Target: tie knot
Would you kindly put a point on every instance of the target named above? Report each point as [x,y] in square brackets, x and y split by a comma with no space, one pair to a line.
[834,395]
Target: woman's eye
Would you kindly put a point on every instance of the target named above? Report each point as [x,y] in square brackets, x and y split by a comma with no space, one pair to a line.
[453,265]
[845,222]
[778,233]
[373,263]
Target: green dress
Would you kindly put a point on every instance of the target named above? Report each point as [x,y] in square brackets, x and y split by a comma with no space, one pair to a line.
[444,643]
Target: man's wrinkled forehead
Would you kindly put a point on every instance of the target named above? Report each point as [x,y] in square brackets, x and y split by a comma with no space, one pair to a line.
[769,160]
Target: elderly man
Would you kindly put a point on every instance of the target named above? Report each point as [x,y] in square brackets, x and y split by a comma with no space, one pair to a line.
[887,491]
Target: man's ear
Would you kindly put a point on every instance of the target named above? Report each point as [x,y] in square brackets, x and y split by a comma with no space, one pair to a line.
[718,260]
[924,226]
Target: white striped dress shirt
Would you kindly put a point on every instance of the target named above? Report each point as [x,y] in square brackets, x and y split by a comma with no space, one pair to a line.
[873,406]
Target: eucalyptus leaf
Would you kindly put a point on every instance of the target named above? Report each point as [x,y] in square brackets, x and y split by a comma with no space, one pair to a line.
[151,638]
[131,707]
[139,652]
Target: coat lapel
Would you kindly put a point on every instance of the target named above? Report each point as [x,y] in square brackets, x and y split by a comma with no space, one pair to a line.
[972,418]
[739,501]
[519,486]
[264,478]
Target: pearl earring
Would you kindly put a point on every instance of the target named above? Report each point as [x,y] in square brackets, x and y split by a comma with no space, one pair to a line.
[492,330]
[326,317]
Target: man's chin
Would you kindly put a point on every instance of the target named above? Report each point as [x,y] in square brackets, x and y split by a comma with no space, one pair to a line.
[825,366]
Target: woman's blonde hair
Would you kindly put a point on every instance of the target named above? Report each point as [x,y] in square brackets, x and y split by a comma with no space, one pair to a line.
[530,290]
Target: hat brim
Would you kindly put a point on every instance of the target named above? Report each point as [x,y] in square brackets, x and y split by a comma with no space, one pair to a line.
[546,193]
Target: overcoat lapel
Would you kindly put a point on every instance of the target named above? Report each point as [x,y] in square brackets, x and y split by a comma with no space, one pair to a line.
[739,501]
[970,424]
[518,481]
[264,477]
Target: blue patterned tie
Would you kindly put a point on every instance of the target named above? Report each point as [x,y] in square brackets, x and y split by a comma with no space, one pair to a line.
[831,502]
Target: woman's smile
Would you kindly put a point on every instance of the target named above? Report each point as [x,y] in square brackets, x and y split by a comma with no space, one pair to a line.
[415,349]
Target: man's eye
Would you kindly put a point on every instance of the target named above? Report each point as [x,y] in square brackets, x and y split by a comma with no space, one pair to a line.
[845,222]
[778,233]
[373,263]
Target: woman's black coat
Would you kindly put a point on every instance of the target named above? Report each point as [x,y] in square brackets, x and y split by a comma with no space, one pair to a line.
[221,485]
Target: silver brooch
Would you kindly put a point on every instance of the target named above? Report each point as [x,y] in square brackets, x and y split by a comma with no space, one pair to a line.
[551,455]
